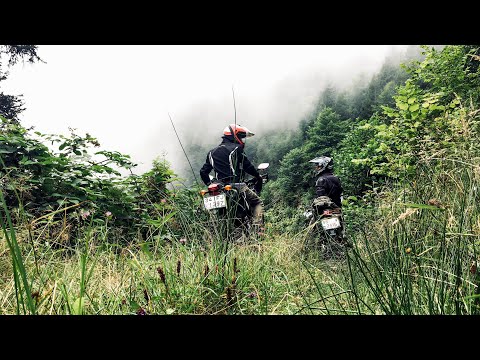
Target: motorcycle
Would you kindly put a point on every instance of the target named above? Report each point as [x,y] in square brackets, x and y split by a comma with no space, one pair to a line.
[227,204]
[325,220]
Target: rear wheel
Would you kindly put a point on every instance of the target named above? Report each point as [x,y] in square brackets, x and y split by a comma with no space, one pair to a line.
[330,245]
[333,247]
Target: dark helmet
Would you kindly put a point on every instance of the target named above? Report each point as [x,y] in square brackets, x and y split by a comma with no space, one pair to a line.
[322,163]
[237,133]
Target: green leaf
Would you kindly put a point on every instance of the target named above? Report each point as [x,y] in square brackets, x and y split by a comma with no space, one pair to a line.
[365,126]
[411,100]
[413,107]
[402,106]
[25,161]
[146,250]
[134,305]
[77,308]
[382,148]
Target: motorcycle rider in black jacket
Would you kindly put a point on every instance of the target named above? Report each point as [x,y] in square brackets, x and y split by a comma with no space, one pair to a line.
[327,184]
[230,163]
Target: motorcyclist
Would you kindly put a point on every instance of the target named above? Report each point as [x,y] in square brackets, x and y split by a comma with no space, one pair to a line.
[327,184]
[230,163]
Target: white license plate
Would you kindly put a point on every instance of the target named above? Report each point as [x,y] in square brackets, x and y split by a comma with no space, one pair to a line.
[215,202]
[330,223]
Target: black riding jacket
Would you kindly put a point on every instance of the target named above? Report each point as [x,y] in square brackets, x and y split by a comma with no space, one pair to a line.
[329,185]
[229,163]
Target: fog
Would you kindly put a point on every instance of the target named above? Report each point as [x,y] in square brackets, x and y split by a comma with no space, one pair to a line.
[123,95]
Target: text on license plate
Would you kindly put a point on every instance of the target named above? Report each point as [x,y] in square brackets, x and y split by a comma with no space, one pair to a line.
[330,223]
[215,202]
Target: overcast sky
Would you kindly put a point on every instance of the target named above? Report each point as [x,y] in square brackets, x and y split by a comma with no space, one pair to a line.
[123,94]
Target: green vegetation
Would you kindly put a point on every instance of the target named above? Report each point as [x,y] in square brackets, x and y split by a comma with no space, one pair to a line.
[80,238]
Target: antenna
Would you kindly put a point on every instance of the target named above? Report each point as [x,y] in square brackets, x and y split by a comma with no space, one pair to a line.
[193,172]
[234,107]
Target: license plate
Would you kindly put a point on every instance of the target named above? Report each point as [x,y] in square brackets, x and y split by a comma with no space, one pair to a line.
[215,202]
[330,223]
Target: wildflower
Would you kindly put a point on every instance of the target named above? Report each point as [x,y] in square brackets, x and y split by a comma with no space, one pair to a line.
[435,202]
[35,295]
[179,264]
[183,241]
[85,214]
[473,268]
[141,311]
[163,201]
[161,273]
[229,295]
[252,295]
[408,250]
[108,214]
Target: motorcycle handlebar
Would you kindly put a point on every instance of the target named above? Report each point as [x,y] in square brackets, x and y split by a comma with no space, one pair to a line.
[251,182]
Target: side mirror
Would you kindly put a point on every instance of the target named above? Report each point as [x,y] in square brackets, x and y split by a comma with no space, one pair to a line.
[263,166]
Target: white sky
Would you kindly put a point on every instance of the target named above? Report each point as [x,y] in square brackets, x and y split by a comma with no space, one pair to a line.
[122,95]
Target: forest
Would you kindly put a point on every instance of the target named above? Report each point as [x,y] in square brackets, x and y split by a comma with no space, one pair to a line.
[80,237]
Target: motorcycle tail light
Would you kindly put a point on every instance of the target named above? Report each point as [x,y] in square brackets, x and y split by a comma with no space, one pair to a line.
[228,187]
[213,187]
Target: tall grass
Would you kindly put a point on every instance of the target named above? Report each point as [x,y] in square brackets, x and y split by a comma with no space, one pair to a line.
[200,273]
[23,294]
[419,255]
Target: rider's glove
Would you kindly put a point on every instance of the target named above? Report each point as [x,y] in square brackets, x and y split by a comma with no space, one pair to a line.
[258,185]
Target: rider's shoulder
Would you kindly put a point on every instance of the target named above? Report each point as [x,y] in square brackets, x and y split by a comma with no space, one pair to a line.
[320,180]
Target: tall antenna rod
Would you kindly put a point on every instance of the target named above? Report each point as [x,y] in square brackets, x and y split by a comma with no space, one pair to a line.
[234,107]
[193,172]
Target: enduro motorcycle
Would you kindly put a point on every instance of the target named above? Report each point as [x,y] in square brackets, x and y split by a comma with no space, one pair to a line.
[229,207]
[325,220]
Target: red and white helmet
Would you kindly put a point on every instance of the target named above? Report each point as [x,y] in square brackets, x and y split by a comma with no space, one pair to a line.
[239,132]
